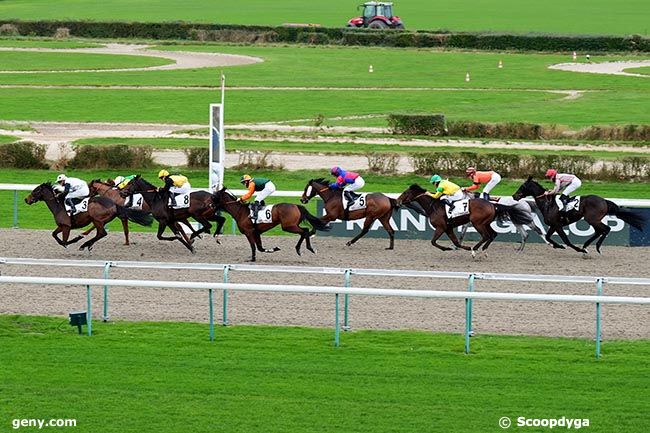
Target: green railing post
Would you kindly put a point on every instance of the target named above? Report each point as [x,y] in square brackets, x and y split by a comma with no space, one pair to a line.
[211,300]
[337,328]
[599,286]
[107,266]
[89,313]
[346,302]
[224,321]
[15,208]
[468,313]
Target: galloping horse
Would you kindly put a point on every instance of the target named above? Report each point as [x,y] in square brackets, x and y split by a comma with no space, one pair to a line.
[201,209]
[522,205]
[101,210]
[592,208]
[481,214]
[378,207]
[288,215]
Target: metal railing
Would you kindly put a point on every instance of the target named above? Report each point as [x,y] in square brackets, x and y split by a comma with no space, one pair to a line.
[346,290]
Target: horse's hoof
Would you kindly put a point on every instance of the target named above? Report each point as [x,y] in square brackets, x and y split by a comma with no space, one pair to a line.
[349,244]
[389,248]
[313,251]
[560,247]
[298,252]
[473,254]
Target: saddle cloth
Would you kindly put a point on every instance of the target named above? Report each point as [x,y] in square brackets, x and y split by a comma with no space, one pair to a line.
[79,207]
[461,207]
[357,204]
[182,201]
[573,203]
[264,215]
[136,202]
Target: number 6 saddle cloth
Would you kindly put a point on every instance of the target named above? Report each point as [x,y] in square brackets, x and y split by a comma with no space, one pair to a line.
[264,215]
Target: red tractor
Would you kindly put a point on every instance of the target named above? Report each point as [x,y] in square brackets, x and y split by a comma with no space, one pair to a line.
[377,15]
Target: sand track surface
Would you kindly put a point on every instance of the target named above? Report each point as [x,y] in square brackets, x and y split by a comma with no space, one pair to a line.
[529,318]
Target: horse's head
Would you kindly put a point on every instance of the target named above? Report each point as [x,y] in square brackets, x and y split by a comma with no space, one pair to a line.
[223,197]
[41,192]
[311,189]
[94,186]
[528,188]
[410,194]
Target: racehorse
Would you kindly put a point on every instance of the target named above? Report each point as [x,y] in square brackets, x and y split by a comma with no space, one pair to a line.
[288,215]
[521,228]
[592,208]
[201,209]
[101,210]
[378,207]
[481,214]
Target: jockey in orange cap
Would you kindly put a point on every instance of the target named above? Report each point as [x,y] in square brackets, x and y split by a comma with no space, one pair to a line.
[490,178]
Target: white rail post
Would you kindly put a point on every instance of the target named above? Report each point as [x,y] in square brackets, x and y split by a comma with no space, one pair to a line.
[89,306]
[337,327]
[468,313]
[224,322]
[599,286]
[346,301]
[15,208]
[107,266]
[211,301]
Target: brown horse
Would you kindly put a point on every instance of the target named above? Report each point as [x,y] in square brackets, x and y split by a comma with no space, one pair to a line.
[592,208]
[378,207]
[481,214]
[100,212]
[201,209]
[288,215]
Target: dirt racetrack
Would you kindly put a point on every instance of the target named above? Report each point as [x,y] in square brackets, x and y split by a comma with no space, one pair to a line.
[529,318]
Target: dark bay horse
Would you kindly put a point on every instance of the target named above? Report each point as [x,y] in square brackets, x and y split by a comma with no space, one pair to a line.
[101,211]
[378,207]
[481,214]
[288,215]
[592,208]
[201,209]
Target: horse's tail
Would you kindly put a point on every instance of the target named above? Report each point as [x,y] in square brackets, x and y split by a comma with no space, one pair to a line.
[517,216]
[314,221]
[134,215]
[631,216]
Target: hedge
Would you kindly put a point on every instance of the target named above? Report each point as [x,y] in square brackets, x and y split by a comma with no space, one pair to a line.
[118,156]
[521,166]
[417,124]
[23,154]
[334,36]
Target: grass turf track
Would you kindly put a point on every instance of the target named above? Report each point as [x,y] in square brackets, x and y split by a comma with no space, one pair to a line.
[500,95]
[4,139]
[37,215]
[167,377]
[46,43]
[644,70]
[46,61]
[553,16]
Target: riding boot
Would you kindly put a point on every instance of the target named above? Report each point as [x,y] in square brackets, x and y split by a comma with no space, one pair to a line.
[70,202]
[255,208]
[564,199]
[128,201]
[485,196]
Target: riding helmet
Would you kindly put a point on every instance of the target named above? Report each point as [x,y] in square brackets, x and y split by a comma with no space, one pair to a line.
[163,173]
[435,178]
[335,171]
[245,178]
[551,172]
[61,178]
[118,180]
[470,170]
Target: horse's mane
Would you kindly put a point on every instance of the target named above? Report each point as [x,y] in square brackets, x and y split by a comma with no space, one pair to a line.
[225,192]
[417,188]
[145,182]
[320,180]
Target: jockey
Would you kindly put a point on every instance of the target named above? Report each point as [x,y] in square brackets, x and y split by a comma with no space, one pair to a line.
[563,181]
[445,190]
[177,184]
[490,178]
[74,190]
[122,181]
[352,181]
[261,187]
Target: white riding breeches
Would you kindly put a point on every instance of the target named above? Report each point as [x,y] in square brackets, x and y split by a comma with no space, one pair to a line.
[458,195]
[82,192]
[496,178]
[185,189]
[269,189]
[358,184]
[575,184]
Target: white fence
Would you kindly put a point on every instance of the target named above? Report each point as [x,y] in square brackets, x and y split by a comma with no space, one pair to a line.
[468,296]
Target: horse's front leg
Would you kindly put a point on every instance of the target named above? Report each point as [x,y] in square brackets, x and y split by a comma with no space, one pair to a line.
[455,240]
[566,240]
[125,229]
[436,235]
[54,235]
[549,240]
[366,228]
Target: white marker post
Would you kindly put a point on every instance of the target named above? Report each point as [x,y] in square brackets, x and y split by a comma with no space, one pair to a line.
[467,79]
[370,69]
[217,150]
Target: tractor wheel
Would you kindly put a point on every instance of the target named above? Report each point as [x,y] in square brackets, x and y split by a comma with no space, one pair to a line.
[377,24]
[400,26]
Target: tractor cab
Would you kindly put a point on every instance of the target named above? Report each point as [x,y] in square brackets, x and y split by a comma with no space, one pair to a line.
[376,15]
